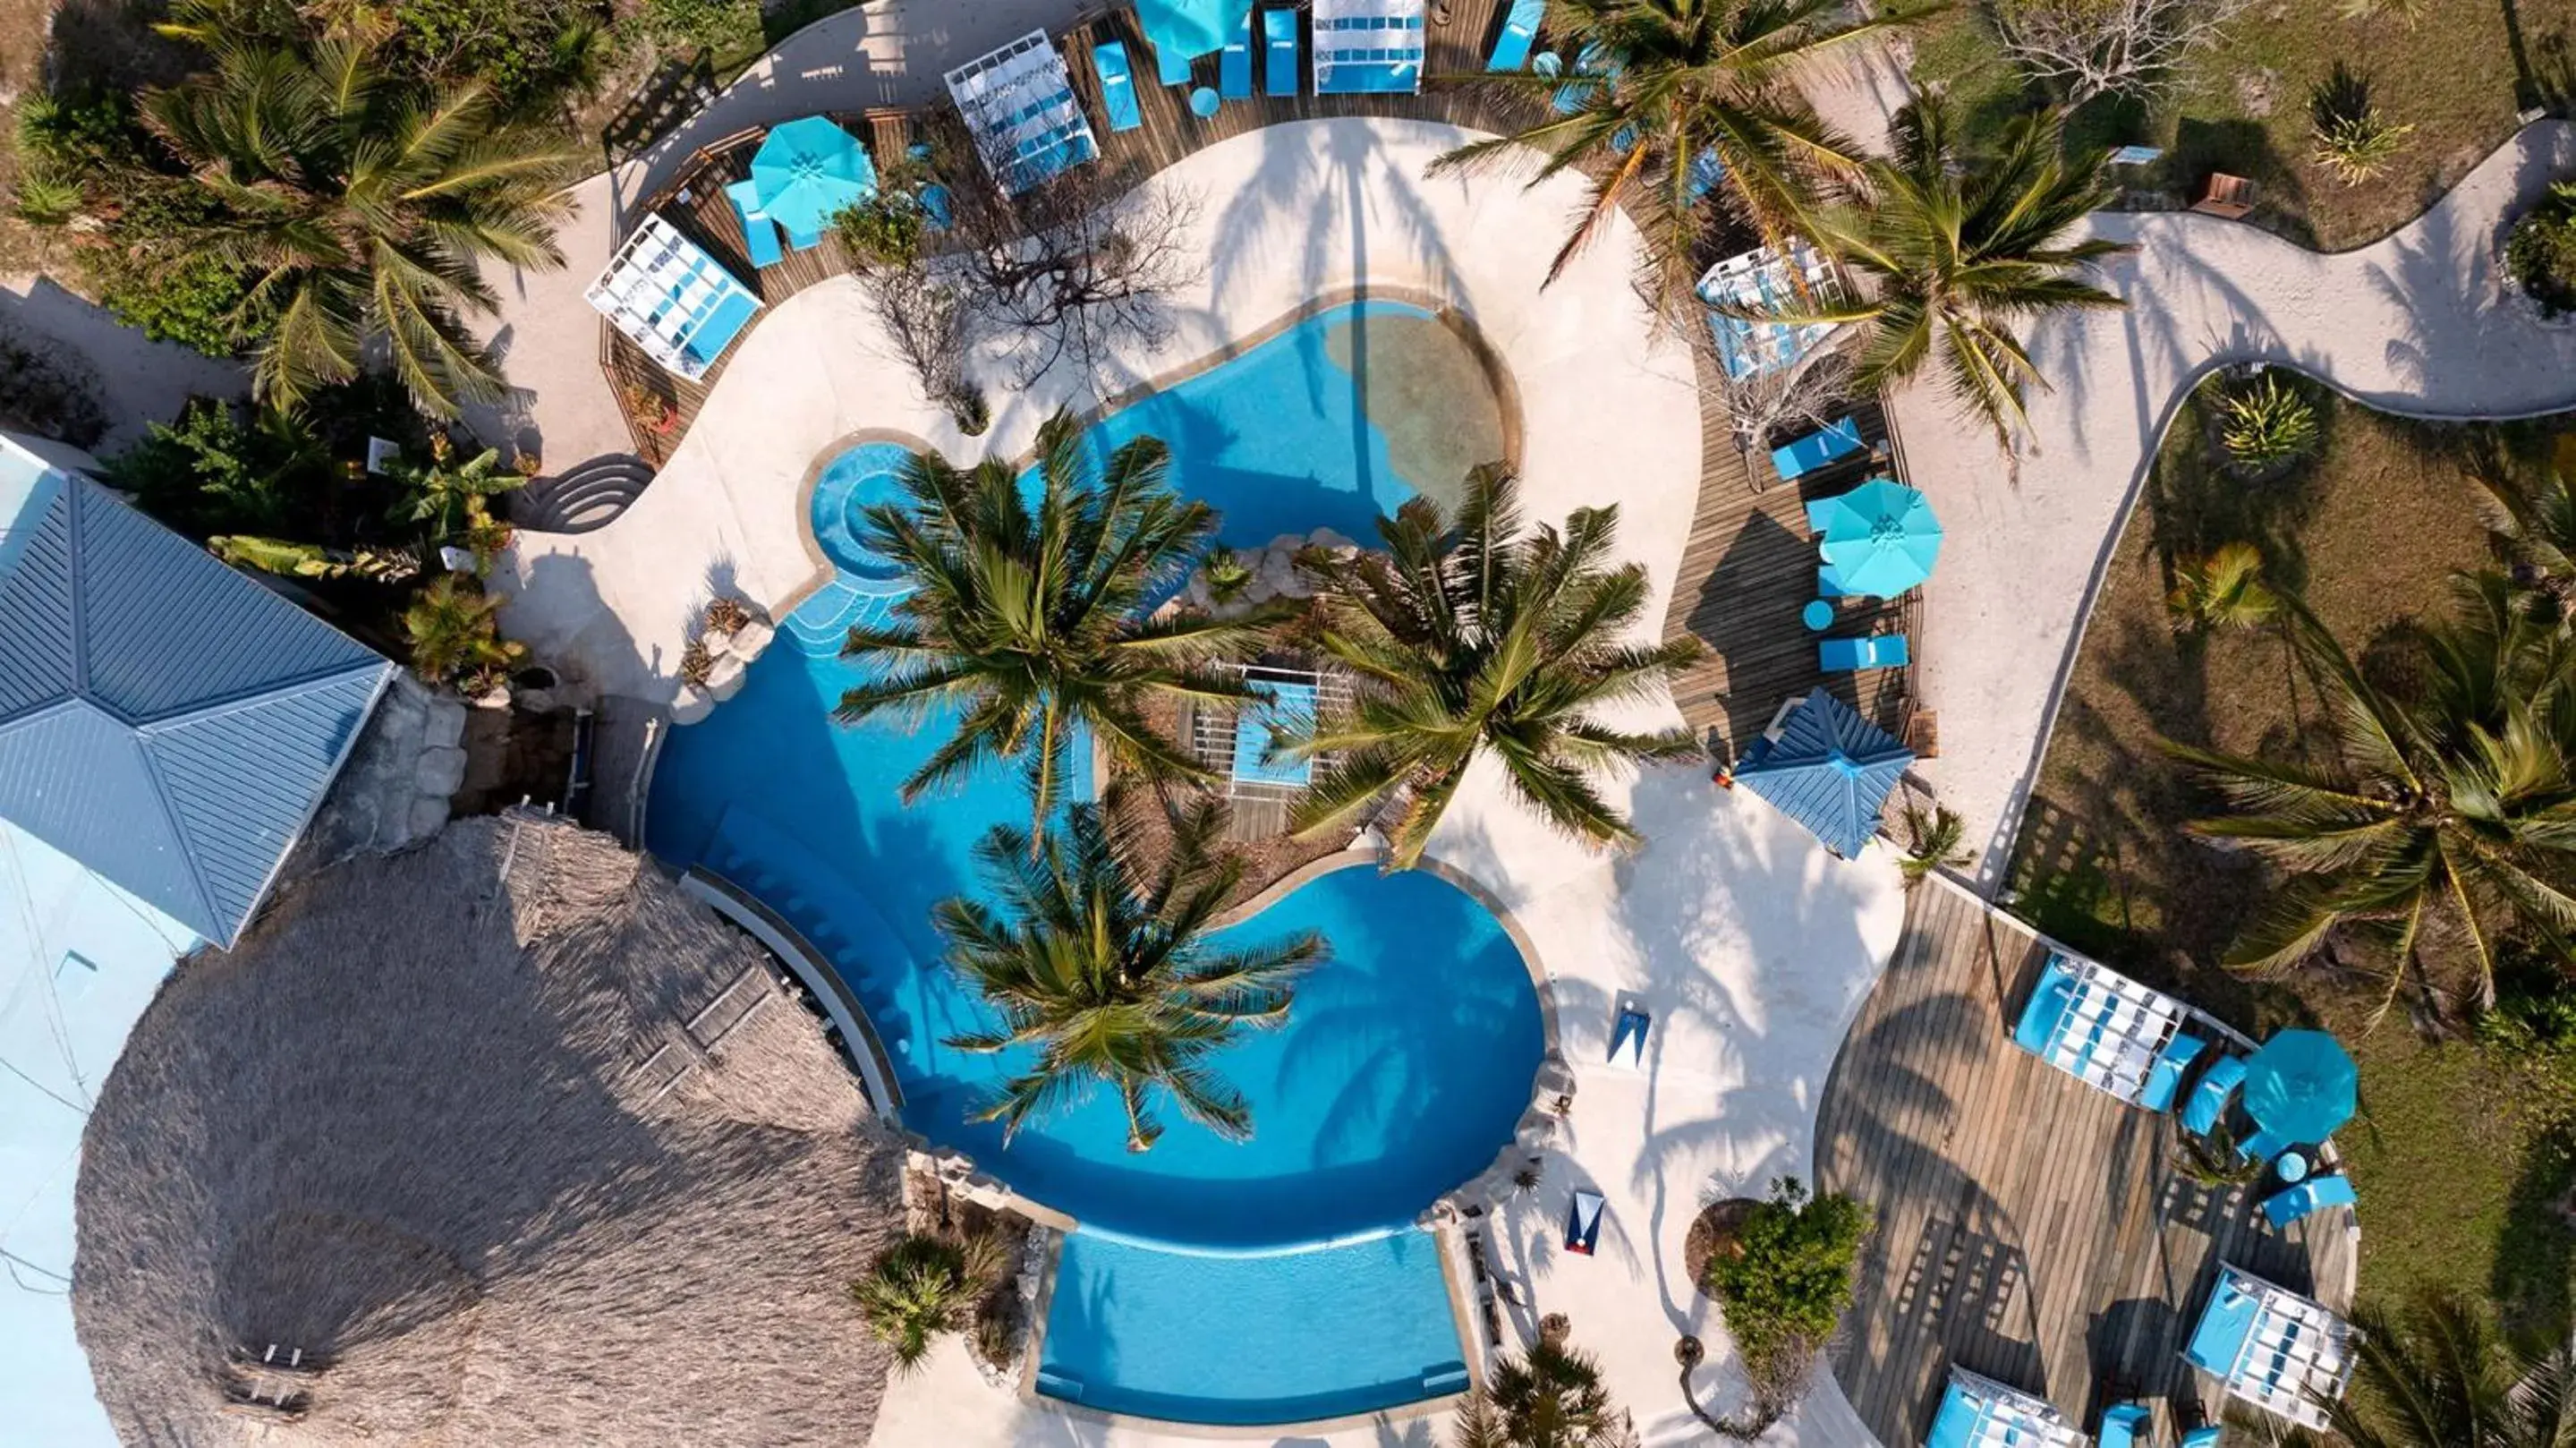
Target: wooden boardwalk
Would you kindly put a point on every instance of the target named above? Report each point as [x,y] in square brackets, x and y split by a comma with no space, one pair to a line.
[1750,563]
[2030,1227]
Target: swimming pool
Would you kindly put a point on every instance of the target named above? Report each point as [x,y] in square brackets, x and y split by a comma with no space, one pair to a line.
[1402,1069]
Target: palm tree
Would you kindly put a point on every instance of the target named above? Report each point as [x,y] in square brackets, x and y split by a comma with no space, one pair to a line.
[2436,1376]
[2457,807]
[2539,523]
[1954,256]
[1466,637]
[924,1286]
[1680,89]
[453,627]
[1032,621]
[361,208]
[2221,589]
[1550,1398]
[1099,959]
[1934,843]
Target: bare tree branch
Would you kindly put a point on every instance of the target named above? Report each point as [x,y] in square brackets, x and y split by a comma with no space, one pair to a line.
[1801,397]
[2103,47]
[925,318]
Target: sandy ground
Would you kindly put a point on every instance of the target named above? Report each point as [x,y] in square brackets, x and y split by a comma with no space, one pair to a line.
[2414,324]
[142,382]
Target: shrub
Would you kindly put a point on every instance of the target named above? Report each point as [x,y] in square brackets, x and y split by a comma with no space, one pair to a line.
[530,54]
[218,469]
[717,25]
[1788,1285]
[192,301]
[455,635]
[2221,589]
[2540,255]
[967,404]
[2267,423]
[925,1286]
[2355,139]
[884,230]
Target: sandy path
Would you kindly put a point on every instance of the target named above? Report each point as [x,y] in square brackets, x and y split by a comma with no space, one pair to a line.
[2415,323]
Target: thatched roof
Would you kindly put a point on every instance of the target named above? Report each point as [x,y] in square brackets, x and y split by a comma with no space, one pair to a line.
[414,1125]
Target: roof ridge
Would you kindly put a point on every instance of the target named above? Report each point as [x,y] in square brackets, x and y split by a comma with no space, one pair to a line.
[252,698]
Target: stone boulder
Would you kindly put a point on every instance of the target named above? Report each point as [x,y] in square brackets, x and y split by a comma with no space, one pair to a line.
[750,639]
[724,676]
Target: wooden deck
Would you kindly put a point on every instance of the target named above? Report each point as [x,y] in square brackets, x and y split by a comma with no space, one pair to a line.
[2030,1227]
[1750,564]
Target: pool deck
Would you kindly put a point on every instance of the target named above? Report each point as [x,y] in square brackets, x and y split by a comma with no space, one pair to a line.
[2030,1228]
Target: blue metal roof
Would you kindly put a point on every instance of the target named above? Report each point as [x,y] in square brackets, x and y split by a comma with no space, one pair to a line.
[163,720]
[1827,768]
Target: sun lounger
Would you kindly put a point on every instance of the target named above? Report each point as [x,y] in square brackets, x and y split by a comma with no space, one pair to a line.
[1234,66]
[1520,32]
[801,240]
[2164,1080]
[1583,1223]
[1279,65]
[2263,1146]
[1628,1033]
[1829,584]
[2125,1425]
[2201,1437]
[2313,1195]
[1171,67]
[1837,439]
[1850,656]
[1117,85]
[759,234]
[2209,1096]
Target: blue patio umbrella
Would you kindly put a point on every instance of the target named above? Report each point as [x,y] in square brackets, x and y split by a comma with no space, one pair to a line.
[1190,28]
[2301,1086]
[807,170]
[1880,538]
[1826,767]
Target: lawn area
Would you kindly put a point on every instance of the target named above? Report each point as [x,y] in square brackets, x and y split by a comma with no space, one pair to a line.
[2459,76]
[2454,1160]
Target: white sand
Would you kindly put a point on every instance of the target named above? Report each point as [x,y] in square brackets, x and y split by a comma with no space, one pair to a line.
[2412,324]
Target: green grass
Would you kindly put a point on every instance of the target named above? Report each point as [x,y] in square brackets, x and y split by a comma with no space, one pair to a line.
[2459,78]
[2458,1161]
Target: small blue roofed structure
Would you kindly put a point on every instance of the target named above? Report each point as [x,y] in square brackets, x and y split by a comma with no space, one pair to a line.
[671,299]
[1763,281]
[1365,47]
[1020,108]
[2272,1348]
[1978,1412]
[1826,767]
[2108,1031]
[165,721]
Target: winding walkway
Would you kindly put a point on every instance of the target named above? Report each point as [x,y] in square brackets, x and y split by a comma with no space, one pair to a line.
[2415,323]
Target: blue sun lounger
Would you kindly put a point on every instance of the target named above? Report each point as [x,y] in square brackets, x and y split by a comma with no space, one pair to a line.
[1520,32]
[2210,1095]
[2125,1425]
[2313,1195]
[1850,656]
[1171,67]
[1279,66]
[1234,67]
[1837,439]
[1117,85]
[759,233]
[1583,1223]
[2202,1437]
[1629,1035]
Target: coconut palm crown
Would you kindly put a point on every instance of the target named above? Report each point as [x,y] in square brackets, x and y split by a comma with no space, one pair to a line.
[1098,959]
[1473,637]
[2435,1376]
[1953,257]
[1683,98]
[1029,619]
[2434,817]
[1551,1397]
[361,208]
[923,1287]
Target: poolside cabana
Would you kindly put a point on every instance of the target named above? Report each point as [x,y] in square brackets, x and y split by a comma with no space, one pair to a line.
[1826,767]
[1368,47]
[1020,108]
[672,300]
[499,1141]
[2108,1031]
[1762,281]
[1978,1412]
[2271,1347]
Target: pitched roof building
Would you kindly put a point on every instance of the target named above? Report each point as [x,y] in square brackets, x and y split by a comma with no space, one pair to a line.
[164,720]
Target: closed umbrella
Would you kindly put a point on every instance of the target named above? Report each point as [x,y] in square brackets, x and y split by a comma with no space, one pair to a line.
[807,170]
[1880,538]
[2301,1086]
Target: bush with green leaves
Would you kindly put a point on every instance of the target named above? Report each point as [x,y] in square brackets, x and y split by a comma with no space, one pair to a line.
[532,53]
[1789,1278]
[2266,423]
[2540,254]
[924,1287]
[723,26]
[221,468]
[2221,589]
[2355,139]
[886,229]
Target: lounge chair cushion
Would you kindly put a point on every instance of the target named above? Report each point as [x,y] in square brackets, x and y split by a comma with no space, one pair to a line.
[2164,1081]
[1234,67]
[1848,656]
[1279,69]
[1117,85]
[2210,1095]
[2313,1195]
[2048,1003]
[1837,439]
[2125,1425]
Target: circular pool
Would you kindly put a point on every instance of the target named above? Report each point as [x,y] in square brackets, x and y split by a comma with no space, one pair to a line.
[860,478]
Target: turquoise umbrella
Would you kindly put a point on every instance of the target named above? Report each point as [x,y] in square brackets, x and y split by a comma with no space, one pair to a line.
[807,170]
[2301,1085]
[1190,28]
[1880,538]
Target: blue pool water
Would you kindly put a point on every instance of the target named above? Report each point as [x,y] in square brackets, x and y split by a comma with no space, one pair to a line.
[1401,1071]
